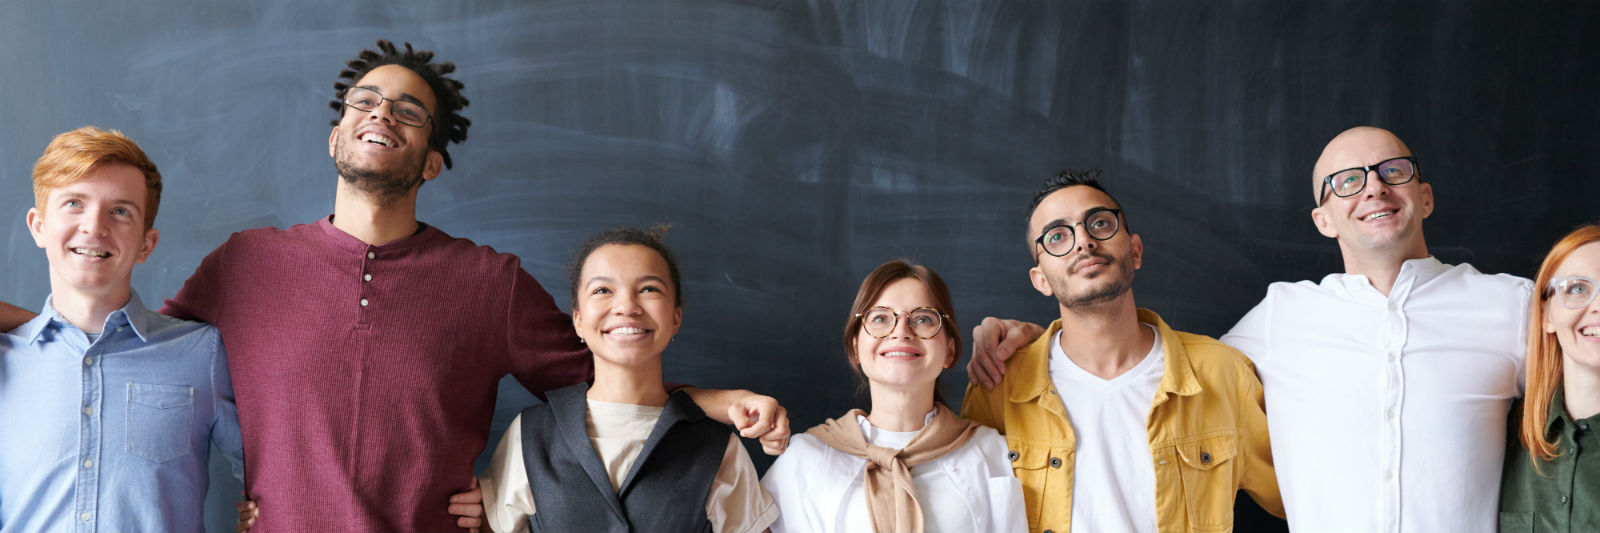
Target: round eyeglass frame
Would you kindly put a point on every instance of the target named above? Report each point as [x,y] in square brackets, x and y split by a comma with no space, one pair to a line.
[936,313]
[1071,231]
[426,116]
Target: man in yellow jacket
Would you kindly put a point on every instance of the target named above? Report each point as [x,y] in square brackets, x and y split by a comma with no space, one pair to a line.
[1114,421]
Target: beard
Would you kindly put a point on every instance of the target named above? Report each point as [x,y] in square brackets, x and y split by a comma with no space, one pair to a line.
[1121,282]
[385,186]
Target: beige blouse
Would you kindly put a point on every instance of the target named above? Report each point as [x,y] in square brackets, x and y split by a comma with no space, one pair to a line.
[618,431]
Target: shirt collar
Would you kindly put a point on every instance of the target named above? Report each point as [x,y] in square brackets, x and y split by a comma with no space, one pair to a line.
[1413,272]
[134,314]
[1033,374]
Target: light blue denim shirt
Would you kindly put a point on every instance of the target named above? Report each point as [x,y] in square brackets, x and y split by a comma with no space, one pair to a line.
[113,435]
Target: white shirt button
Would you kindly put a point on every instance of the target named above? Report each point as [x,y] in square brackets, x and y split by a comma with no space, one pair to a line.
[371,255]
[88,463]
[88,361]
[1388,475]
[366,277]
[88,410]
[85,516]
[363,302]
[1393,307]
[1391,415]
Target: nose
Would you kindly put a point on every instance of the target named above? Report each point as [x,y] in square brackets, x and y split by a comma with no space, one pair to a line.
[94,225]
[625,304]
[1375,184]
[902,328]
[1084,241]
[383,112]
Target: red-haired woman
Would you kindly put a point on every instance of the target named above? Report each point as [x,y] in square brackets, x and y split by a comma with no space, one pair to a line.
[1552,481]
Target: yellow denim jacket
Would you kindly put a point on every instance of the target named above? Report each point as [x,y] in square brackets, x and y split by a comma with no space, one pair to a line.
[1208,433]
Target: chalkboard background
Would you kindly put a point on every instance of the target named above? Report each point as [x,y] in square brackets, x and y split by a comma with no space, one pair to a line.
[793,146]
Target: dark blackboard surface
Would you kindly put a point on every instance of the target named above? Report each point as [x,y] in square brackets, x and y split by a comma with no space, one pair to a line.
[794,146]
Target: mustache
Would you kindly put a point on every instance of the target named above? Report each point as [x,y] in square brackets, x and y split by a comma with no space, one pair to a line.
[1088,255]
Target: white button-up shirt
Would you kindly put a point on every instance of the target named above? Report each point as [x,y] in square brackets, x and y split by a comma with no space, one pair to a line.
[972,488]
[1389,413]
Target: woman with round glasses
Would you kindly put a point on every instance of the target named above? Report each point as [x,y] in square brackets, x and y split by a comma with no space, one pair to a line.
[909,464]
[1552,481]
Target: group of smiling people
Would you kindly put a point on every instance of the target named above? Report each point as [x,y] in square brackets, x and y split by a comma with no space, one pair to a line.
[1388,388]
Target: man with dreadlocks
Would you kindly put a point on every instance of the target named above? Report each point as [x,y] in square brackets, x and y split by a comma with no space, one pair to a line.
[366,347]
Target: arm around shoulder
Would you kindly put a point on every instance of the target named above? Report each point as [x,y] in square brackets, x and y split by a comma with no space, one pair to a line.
[1260,477]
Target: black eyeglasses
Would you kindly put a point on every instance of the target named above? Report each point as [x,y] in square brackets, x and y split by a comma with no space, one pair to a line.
[1099,224]
[879,321]
[408,113]
[1352,181]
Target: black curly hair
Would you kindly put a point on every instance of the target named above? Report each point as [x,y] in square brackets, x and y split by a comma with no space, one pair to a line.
[448,125]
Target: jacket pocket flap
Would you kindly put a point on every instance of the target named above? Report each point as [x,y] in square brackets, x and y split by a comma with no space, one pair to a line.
[1206,453]
[1026,455]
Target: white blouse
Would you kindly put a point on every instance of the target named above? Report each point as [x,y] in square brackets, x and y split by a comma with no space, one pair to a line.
[819,488]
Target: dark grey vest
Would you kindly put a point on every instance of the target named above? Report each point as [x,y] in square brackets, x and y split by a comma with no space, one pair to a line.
[665,491]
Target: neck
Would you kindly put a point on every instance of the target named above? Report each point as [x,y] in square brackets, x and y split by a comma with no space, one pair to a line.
[374,220]
[1105,340]
[1581,384]
[1382,268]
[900,409]
[88,311]
[638,384]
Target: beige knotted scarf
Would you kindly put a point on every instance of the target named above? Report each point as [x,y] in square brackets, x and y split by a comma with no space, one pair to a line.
[891,497]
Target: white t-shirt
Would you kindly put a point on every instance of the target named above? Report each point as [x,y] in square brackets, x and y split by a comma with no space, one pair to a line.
[618,432]
[819,488]
[1113,479]
[1388,413]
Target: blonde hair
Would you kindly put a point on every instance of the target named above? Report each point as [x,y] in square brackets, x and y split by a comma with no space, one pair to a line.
[1544,351]
[72,155]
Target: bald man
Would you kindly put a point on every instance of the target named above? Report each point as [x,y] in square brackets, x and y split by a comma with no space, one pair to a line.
[1387,386]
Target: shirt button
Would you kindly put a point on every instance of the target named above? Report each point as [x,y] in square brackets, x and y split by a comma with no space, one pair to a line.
[1012,455]
[88,361]
[88,410]
[85,516]
[1049,531]
[1391,414]
[1388,475]
[1394,307]
[119,328]
[1055,462]
[366,277]
[371,255]
[1563,499]
[88,463]
[363,302]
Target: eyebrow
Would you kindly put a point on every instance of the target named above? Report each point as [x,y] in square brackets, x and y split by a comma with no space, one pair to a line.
[1081,218]
[608,279]
[404,96]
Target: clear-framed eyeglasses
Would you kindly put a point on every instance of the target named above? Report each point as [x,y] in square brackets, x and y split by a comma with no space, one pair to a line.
[1099,224]
[879,321]
[1572,292]
[1351,181]
[405,112]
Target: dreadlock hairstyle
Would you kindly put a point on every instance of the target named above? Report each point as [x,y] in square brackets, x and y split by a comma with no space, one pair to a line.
[448,125]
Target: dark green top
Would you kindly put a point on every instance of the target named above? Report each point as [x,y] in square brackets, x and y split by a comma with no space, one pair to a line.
[1535,501]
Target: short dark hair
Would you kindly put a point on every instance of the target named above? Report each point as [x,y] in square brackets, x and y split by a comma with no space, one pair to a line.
[1065,178]
[622,236]
[872,287]
[448,124]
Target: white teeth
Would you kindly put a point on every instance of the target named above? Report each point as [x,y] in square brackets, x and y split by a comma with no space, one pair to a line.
[91,253]
[1377,215]
[626,331]
[377,139]
[899,354]
[1591,331]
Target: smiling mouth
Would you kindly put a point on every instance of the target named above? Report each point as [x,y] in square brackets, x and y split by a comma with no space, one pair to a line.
[1590,331]
[377,139]
[901,355]
[1377,215]
[626,330]
[89,252]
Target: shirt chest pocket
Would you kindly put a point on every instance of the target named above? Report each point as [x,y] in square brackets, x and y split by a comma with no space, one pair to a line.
[1207,468]
[159,418]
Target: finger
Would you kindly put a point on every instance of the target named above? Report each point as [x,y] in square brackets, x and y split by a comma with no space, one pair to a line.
[758,420]
[739,417]
[469,524]
[244,505]
[466,510]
